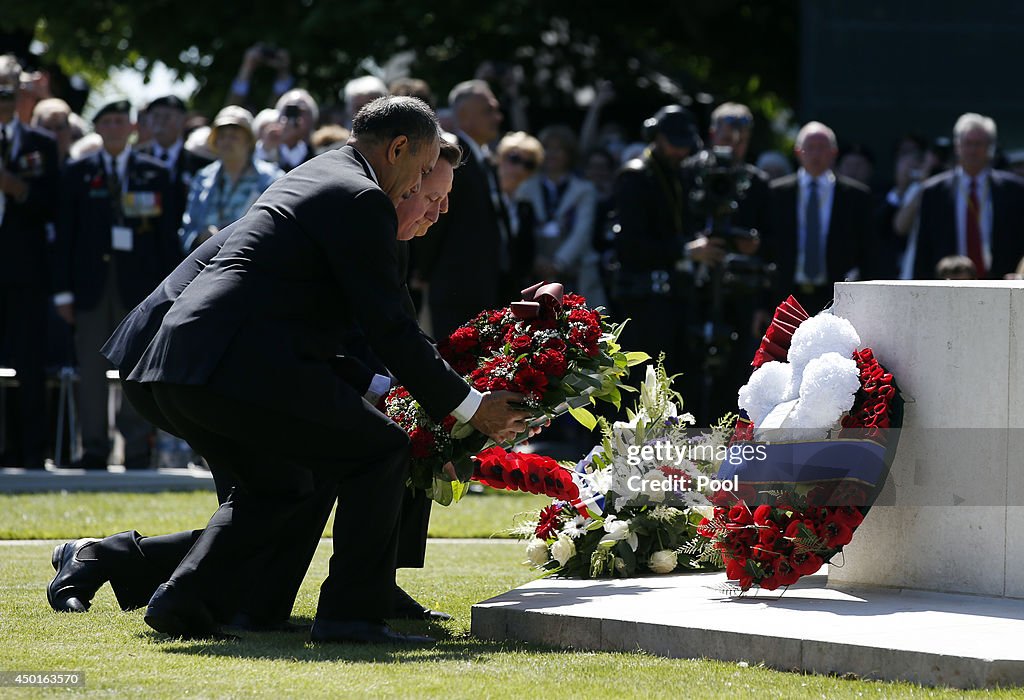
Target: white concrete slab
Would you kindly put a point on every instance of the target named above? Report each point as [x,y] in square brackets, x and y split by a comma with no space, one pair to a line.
[940,639]
[117,478]
[942,519]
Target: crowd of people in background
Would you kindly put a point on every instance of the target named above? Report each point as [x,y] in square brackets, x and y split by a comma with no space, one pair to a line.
[94,213]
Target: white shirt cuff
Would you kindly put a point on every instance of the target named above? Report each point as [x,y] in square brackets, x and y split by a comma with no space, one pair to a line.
[63,298]
[379,387]
[467,409]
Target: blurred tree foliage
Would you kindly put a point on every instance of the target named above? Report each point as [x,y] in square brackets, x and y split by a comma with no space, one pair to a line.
[653,54]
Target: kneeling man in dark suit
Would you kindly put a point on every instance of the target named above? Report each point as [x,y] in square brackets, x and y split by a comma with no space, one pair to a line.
[135,565]
[241,367]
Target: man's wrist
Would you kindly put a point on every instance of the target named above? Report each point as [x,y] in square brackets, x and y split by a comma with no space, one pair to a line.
[465,411]
[380,385]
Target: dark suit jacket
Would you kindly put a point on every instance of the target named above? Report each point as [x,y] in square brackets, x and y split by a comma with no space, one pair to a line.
[460,255]
[850,241]
[937,230]
[23,248]
[83,250]
[183,169]
[653,212]
[314,257]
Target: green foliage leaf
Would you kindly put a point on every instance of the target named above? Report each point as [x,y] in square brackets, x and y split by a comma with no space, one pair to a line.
[584,417]
[636,358]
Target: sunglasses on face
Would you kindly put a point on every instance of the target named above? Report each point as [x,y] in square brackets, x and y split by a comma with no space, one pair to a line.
[516,159]
[6,92]
[736,122]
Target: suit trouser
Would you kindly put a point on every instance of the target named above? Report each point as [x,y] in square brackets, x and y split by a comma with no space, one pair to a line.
[92,329]
[136,565]
[23,345]
[277,463]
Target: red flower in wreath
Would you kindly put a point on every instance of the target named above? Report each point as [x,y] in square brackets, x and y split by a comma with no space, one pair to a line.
[550,518]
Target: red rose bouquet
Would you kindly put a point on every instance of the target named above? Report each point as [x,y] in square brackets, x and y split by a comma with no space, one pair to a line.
[550,347]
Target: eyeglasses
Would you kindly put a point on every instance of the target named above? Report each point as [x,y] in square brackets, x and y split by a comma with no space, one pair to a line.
[516,159]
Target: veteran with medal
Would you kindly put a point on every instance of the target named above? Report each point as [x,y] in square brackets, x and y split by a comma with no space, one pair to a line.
[115,242]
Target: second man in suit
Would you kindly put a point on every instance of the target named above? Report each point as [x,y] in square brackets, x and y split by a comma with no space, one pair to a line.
[821,224]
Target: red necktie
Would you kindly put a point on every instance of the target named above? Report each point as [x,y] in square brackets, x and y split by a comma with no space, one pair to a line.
[974,251]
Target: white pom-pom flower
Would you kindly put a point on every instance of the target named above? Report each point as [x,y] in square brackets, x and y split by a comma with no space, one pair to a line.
[765,390]
[826,392]
[816,336]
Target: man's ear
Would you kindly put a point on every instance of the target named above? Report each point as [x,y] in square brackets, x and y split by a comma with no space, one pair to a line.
[398,145]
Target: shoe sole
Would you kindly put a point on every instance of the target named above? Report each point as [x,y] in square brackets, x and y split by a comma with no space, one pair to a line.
[55,559]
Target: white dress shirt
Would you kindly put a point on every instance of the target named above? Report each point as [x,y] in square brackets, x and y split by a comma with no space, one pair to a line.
[963,194]
[294,156]
[826,185]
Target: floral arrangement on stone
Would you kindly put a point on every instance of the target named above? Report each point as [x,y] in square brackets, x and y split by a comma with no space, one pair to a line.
[640,495]
[560,354]
[822,413]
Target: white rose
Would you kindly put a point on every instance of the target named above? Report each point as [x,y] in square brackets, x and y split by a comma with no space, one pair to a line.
[654,485]
[537,552]
[619,530]
[663,561]
[563,550]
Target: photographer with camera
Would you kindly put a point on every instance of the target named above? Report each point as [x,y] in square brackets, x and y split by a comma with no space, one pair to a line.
[653,284]
[729,206]
[299,114]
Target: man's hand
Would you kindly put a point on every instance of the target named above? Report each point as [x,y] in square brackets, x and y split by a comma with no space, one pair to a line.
[497,418]
[709,251]
[66,312]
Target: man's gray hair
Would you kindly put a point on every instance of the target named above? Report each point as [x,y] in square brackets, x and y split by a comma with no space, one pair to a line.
[10,68]
[466,89]
[970,121]
[365,85]
[815,128]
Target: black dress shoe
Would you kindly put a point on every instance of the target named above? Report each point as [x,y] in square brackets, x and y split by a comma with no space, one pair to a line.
[420,613]
[247,623]
[77,580]
[172,612]
[90,461]
[407,608]
[361,632]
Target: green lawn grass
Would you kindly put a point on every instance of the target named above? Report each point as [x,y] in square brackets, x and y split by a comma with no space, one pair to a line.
[120,657]
[71,515]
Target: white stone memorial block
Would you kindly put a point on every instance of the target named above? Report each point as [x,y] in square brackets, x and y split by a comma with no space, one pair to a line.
[951,515]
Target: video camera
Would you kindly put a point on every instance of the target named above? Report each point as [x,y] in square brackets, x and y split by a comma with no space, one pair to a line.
[719,184]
